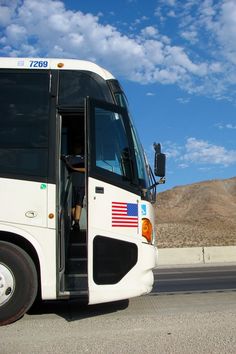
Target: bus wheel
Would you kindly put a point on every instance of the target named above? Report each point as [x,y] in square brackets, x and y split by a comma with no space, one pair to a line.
[18,282]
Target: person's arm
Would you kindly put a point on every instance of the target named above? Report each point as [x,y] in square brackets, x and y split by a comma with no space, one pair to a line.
[79,169]
[74,163]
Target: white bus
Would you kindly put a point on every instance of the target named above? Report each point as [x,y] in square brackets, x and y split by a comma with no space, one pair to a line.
[45,106]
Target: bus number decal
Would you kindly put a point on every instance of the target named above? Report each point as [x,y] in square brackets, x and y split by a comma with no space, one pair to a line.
[38,63]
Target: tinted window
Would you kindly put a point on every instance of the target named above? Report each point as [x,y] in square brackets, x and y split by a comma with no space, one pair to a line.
[112,150]
[24,117]
[74,86]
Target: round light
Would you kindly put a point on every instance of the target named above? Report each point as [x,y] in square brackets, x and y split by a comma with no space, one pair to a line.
[147,229]
[60,65]
[51,216]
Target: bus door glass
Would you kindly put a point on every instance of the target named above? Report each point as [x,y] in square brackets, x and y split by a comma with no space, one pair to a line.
[113,213]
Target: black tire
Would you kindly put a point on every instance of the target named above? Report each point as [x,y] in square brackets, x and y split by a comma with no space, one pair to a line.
[17,266]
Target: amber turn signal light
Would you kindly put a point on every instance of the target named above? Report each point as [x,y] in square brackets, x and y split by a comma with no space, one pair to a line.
[147,229]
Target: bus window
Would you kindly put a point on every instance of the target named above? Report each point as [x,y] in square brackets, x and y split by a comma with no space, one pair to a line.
[74,86]
[112,146]
[24,102]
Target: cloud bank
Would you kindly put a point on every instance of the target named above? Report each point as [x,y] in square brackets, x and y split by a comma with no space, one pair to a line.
[29,28]
[200,152]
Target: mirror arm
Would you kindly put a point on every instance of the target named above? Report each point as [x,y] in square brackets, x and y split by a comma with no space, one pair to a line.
[162,180]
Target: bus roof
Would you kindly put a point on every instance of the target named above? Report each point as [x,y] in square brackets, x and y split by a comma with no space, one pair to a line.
[53,63]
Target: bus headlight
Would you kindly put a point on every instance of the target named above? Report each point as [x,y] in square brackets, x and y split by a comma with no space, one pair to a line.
[147,229]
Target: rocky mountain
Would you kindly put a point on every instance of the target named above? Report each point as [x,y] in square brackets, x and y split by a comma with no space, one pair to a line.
[201,214]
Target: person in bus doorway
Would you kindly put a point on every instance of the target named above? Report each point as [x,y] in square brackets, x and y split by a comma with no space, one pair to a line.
[76,166]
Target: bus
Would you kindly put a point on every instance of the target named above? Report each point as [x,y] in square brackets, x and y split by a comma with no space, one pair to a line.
[46,105]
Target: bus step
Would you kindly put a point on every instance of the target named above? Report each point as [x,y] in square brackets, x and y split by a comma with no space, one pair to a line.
[76,282]
[75,265]
[78,250]
[78,236]
[80,295]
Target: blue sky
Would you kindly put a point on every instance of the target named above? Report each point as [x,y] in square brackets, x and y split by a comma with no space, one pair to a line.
[176,60]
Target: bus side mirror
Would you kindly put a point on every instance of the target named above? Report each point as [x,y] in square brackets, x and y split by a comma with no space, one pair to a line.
[160,161]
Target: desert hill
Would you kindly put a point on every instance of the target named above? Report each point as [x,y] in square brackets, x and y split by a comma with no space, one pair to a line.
[200,214]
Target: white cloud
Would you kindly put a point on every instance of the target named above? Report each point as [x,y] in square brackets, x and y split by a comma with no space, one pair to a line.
[230,126]
[183,165]
[226,126]
[203,152]
[177,56]
[226,29]
[183,100]
[170,2]
[191,36]
[200,153]
[50,29]
[172,150]
[171,13]
[210,26]
[15,33]
[149,31]
[5,15]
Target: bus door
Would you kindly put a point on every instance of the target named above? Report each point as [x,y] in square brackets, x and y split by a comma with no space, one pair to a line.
[112,208]
[71,124]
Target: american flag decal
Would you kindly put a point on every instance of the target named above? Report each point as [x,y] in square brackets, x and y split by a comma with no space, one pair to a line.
[124,214]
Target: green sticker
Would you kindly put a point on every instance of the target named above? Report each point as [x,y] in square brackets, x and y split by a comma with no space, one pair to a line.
[43,186]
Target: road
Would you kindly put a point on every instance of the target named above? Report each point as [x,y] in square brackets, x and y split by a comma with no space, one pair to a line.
[202,278]
[182,315]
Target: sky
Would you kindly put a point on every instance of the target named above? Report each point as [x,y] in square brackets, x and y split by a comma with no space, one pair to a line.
[176,60]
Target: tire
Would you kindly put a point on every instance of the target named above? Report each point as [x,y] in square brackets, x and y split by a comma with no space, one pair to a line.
[18,282]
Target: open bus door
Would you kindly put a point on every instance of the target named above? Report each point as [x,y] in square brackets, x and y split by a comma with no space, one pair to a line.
[112,207]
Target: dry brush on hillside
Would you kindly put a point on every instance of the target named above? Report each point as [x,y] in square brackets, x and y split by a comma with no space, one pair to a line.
[201,214]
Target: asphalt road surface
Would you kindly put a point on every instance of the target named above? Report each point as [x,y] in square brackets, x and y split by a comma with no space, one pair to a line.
[191,310]
[202,278]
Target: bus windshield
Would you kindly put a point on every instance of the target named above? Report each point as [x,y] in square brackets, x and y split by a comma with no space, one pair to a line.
[143,167]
